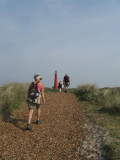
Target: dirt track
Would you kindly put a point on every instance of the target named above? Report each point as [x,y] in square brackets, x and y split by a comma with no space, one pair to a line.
[58,137]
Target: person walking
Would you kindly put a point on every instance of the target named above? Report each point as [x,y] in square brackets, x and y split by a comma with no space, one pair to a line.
[35,98]
[66,82]
[60,85]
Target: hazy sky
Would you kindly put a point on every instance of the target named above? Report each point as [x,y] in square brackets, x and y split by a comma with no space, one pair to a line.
[77,37]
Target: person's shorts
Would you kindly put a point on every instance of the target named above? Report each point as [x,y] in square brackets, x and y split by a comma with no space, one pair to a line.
[36,103]
[33,105]
[66,84]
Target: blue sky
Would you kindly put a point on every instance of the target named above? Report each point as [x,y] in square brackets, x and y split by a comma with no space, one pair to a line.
[77,37]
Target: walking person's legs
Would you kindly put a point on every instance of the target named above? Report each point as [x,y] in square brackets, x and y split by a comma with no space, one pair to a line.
[38,114]
[65,87]
[30,112]
[60,89]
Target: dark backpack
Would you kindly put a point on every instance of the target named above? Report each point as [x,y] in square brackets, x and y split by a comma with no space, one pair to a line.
[66,78]
[59,85]
[33,91]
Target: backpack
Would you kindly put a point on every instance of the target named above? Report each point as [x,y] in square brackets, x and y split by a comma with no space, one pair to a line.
[60,85]
[33,91]
[66,78]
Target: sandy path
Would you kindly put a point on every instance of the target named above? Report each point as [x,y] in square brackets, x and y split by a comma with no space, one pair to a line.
[58,137]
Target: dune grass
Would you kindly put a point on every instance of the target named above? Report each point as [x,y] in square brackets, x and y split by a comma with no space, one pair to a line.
[13,96]
[102,106]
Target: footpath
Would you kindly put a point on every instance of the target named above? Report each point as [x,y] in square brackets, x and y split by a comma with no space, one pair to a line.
[60,136]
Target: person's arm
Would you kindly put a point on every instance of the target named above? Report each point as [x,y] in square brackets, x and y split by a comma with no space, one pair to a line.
[43,96]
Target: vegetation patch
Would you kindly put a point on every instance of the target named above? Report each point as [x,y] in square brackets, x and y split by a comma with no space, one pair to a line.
[13,96]
[102,107]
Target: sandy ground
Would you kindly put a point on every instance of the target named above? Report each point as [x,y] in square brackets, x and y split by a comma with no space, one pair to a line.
[58,137]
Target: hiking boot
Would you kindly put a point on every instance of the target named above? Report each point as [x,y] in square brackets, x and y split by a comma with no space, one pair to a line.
[28,127]
[38,121]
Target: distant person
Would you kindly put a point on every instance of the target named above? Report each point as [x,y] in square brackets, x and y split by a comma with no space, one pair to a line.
[60,85]
[66,82]
[35,99]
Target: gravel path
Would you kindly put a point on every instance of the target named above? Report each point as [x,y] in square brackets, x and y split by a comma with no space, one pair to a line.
[58,137]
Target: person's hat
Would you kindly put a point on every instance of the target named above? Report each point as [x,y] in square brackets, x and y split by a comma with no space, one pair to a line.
[37,77]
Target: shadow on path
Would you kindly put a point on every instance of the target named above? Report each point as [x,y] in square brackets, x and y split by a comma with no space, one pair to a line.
[15,122]
[7,117]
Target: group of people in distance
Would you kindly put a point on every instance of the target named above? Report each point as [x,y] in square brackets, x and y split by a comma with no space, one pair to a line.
[66,83]
[36,98]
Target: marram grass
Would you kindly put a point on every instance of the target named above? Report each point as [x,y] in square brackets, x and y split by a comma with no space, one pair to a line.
[13,96]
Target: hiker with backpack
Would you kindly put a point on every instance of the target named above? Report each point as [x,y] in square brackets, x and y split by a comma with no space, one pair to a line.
[60,85]
[35,98]
[66,82]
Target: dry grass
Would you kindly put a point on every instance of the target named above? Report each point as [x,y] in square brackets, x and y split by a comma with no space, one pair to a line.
[13,96]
